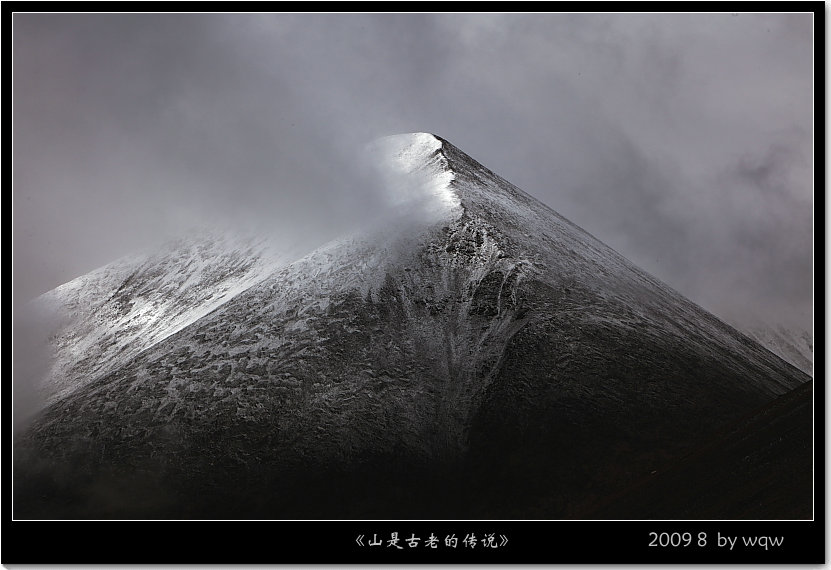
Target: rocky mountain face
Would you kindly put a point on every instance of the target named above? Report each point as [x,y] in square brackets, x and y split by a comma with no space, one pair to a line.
[478,357]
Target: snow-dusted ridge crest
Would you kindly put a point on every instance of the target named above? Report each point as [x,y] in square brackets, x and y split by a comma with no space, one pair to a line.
[101,320]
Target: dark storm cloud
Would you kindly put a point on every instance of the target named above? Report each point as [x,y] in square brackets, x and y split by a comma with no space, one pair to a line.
[684,141]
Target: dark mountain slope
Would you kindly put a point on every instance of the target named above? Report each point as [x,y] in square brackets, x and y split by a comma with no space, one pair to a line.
[759,468]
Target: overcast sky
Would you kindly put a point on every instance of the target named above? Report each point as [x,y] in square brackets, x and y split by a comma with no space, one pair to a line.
[683,141]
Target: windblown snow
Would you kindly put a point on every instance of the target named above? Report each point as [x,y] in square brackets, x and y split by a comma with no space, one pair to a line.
[415,175]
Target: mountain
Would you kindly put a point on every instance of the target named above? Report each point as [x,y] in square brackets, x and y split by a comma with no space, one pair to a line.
[475,356]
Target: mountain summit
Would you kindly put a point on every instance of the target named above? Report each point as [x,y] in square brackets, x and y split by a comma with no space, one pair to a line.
[479,356]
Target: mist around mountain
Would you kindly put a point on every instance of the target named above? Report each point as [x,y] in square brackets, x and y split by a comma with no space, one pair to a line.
[475,356]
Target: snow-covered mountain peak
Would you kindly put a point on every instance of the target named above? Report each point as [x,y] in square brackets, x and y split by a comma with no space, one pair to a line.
[415,175]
